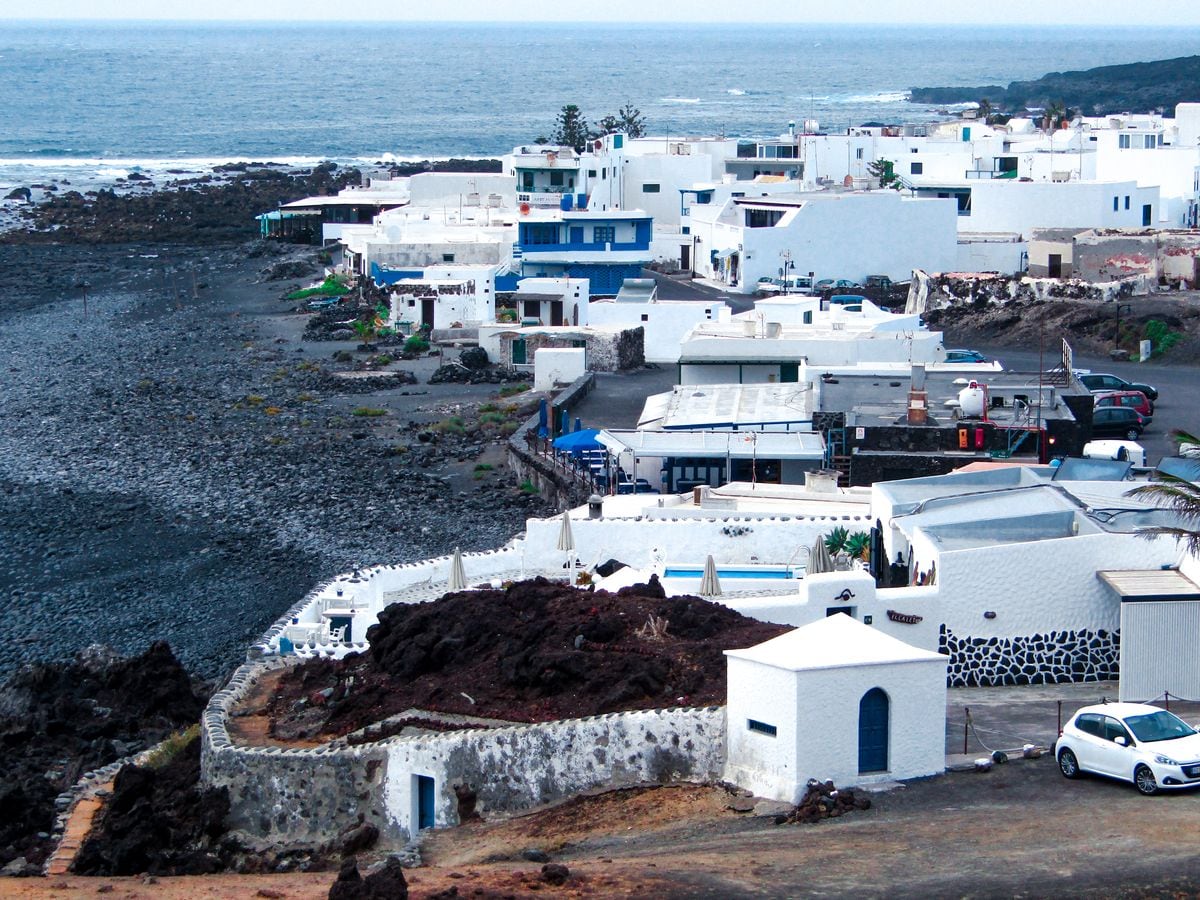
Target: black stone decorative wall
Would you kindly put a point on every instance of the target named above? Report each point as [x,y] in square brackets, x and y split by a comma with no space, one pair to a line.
[1056,657]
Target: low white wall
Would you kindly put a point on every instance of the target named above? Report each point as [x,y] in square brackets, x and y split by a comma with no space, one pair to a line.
[516,768]
[557,366]
[644,542]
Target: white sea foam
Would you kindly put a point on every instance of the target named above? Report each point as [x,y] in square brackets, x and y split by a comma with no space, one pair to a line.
[680,99]
[737,92]
[881,97]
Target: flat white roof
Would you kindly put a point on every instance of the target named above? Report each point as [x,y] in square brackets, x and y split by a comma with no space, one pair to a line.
[712,405]
[734,444]
[834,642]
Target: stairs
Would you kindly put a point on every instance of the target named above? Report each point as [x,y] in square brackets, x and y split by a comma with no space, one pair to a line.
[841,462]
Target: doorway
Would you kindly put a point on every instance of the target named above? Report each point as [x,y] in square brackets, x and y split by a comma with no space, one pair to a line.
[423,789]
[427,306]
[1054,269]
[873,732]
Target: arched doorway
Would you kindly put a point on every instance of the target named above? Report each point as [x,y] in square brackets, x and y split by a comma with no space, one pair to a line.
[873,732]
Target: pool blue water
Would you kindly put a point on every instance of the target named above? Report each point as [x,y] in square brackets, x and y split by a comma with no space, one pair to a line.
[671,572]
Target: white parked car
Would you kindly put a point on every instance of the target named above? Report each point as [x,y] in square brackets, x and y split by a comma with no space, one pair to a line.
[1150,747]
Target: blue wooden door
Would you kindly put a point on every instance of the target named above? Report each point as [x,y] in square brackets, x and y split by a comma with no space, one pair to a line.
[424,801]
[873,732]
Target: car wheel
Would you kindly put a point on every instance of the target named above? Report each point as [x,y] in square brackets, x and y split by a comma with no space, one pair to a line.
[1068,764]
[1132,434]
[1143,780]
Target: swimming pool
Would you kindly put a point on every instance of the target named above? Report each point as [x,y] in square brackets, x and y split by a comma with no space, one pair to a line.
[764,572]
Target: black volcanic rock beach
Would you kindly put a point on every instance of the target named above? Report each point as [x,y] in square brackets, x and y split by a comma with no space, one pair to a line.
[179,465]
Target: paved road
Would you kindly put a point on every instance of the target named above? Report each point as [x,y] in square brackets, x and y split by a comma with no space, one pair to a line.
[1177,385]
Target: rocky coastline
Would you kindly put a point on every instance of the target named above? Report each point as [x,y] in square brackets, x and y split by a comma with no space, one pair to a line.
[177,464]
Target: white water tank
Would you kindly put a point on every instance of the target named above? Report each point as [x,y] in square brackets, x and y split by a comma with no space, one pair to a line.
[972,399]
[749,327]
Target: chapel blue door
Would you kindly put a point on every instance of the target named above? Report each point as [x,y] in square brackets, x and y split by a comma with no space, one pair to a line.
[424,801]
[873,732]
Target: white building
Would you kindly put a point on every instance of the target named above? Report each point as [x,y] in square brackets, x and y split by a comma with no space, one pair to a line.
[755,349]
[831,234]
[666,322]
[834,700]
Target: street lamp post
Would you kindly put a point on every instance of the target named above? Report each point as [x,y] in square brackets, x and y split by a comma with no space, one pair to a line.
[1128,307]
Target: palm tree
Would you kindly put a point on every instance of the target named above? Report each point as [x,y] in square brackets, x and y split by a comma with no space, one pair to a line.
[1178,495]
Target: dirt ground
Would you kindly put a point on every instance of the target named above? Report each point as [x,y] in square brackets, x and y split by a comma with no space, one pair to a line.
[1020,830]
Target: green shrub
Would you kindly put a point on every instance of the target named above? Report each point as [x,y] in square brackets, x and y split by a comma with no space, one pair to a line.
[330,287]
[453,425]
[484,467]
[416,344]
[527,487]
[171,747]
[1160,336]
[488,407]
[510,389]
[369,411]
[835,541]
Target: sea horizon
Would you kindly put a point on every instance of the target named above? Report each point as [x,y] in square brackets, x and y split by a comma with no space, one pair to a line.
[94,99]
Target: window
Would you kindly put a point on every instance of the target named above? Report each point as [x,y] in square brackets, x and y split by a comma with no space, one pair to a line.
[540,234]
[858,153]
[1150,141]
[914,150]
[604,234]
[762,218]
[603,174]
[650,188]
[1090,724]
[917,168]
[447,257]
[762,727]
[645,317]
[1123,141]
[591,173]
[1116,203]
[556,178]
[1127,201]
[1114,729]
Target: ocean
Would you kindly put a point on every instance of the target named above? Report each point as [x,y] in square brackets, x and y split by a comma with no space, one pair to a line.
[92,101]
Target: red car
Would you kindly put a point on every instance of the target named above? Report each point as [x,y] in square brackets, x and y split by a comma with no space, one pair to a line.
[1130,399]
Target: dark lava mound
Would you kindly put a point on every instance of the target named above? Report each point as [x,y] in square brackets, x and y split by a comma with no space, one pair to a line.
[537,651]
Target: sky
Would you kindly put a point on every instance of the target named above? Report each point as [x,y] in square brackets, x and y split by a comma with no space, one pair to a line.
[1162,13]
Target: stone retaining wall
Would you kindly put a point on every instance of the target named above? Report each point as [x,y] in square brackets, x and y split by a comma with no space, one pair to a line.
[551,482]
[303,797]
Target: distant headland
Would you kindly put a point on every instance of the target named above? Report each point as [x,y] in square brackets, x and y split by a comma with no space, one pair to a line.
[1134,87]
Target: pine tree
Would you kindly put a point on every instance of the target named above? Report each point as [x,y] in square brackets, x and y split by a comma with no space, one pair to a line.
[571,128]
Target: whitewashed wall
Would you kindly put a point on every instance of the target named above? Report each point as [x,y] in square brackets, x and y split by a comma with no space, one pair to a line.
[1041,585]
[516,768]
[816,714]
[665,324]
[554,366]
[642,542]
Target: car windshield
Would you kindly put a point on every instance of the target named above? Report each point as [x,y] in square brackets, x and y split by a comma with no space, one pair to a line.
[1159,726]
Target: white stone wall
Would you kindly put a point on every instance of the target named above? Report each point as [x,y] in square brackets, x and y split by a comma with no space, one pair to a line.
[665,324]
[1042,585]
[554,366]
[516,768]
[645,542]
